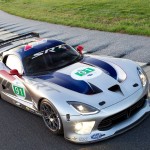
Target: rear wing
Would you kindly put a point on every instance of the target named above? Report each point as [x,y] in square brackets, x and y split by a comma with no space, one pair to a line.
[10,41]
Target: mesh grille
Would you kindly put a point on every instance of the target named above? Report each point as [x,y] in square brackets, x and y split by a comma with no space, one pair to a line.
[110,121]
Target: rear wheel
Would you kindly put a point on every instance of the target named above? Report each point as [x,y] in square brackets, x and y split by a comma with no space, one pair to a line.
[51,117]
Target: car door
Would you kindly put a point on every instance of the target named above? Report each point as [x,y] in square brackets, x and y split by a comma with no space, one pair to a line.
[13,87]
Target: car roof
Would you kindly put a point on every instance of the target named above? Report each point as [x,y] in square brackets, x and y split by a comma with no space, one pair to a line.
[35,46]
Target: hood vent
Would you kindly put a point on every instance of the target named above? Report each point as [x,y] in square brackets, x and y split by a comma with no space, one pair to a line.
[95,89]
[115,88]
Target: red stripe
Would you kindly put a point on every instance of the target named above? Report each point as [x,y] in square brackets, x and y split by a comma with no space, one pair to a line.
[6,75]
[27,47]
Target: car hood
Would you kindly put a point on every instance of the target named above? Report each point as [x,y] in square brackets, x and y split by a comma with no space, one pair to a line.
[89,76]
[92,80]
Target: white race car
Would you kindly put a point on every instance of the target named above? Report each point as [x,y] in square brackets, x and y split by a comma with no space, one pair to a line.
[85,97]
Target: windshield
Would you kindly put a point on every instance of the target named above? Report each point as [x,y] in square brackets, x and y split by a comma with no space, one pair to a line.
[50,59]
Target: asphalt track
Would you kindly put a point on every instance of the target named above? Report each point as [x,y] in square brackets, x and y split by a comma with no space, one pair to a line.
[21,130]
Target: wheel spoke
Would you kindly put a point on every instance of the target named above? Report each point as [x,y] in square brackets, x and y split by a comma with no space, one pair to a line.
[50,117]
[54,125]
[46,117]
[50,124]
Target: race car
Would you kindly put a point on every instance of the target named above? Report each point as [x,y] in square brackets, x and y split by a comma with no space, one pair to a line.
[87,98]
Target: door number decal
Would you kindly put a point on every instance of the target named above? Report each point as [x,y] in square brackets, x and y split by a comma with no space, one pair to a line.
[19,91]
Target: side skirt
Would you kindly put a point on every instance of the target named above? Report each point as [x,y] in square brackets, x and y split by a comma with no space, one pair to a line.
[24,104]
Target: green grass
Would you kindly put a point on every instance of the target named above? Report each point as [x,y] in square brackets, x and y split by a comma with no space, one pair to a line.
[124,16]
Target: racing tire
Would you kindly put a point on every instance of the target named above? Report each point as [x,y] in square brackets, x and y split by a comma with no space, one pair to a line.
[51,117]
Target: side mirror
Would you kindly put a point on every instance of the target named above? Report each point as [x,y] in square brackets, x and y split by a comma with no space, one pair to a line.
[80,48]
[15,72]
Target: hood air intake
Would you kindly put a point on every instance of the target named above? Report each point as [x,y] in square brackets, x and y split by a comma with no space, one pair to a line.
[115,88]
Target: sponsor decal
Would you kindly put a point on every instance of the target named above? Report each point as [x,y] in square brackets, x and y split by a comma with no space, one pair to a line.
[50,50]
[29,46]
[83,139]
[85,73]
[97,136]
[106,67]
[38,85]
[18,89]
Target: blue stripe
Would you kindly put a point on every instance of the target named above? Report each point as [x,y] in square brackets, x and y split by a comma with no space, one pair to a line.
[101,64]
[39,48]
[68,82]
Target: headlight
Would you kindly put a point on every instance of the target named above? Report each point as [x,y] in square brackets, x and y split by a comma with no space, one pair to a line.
[84,127]
[83,108]
[142,76]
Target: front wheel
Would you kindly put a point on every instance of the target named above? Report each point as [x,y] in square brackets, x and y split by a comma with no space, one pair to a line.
[51,117]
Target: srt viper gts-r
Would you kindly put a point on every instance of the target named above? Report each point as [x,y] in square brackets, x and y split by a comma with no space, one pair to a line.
[85,97]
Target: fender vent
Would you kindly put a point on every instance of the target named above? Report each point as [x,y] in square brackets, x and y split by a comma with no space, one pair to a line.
[115,88]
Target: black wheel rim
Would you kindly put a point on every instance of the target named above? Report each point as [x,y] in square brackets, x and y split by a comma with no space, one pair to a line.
[50,118]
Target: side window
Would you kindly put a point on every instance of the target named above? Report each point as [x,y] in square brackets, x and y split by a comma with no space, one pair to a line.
[13,62]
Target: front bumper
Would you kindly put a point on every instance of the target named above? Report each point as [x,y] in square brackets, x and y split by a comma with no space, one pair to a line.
[96,134]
